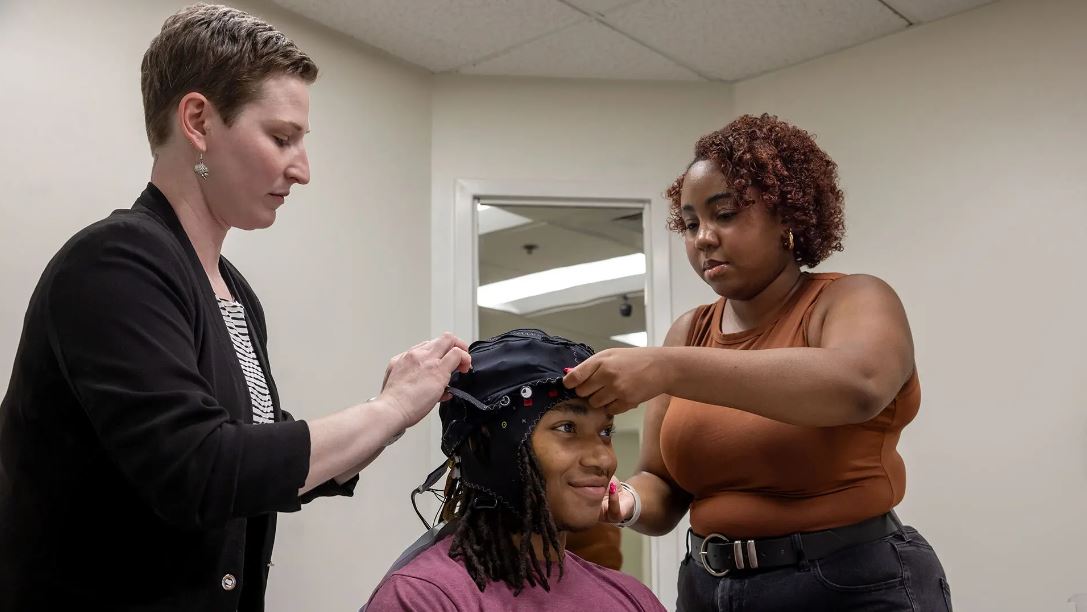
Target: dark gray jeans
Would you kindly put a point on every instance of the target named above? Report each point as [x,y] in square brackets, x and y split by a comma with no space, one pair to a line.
[897,573]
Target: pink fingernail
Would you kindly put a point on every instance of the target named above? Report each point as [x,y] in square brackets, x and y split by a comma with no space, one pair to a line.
[611,488]
[566,370]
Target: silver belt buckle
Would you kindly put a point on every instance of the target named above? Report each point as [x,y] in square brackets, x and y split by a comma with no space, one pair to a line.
[702,553]
[737,554]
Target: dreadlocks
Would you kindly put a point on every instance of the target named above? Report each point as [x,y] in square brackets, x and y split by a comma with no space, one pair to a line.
[485,536]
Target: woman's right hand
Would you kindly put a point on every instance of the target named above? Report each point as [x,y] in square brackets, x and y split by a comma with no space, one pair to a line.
[416,379]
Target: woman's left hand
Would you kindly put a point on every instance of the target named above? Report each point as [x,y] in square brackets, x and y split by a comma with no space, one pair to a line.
[619,379]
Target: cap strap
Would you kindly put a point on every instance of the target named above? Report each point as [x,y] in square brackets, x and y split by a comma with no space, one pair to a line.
[468,397]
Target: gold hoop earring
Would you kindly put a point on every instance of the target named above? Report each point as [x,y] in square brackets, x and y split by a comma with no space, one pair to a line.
[201,169]
[789,244]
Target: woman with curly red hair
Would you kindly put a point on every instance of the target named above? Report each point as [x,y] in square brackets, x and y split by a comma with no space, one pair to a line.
[775,411]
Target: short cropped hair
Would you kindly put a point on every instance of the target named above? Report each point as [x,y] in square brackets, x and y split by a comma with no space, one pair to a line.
[221,52]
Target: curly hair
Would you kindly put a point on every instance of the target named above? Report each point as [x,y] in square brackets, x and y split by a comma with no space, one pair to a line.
[484,536]
[798,180]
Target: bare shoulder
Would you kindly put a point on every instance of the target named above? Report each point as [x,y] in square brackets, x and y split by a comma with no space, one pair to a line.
[853,298]
[857,287]
[681,327]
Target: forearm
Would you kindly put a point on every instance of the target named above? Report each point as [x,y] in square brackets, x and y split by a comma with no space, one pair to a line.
[343,443]
[801,386]
[354,471]
[662,505]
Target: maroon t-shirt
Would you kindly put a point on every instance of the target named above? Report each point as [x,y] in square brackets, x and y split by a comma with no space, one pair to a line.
[434,582]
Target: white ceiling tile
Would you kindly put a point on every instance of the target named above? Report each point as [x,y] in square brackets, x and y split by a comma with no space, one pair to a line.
[439,34]
[919,11]
[735,39]
[586,50]
[600,7]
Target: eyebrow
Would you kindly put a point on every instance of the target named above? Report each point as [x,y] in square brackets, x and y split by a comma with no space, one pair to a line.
[579,409]
[723,195]
[294,126]
[576,408]
[713,199]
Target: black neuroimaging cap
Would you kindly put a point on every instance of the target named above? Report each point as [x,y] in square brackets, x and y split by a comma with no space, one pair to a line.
[515,378]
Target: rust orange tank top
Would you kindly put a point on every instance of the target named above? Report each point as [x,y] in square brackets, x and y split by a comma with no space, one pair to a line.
[754,477]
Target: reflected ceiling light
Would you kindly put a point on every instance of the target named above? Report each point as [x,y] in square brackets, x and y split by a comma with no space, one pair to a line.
[491,219]
[636,339]
[495,295]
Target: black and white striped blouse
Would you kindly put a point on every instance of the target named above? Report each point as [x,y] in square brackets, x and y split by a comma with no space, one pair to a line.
[260,399]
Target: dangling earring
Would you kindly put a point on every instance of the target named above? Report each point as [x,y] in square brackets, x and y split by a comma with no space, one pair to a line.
[201,169]
[789,244]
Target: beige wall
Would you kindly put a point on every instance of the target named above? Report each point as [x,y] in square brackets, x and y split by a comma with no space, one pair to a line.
[341,292]
[961,146]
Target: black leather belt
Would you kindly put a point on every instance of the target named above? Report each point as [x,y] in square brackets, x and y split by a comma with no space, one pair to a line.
[720,555]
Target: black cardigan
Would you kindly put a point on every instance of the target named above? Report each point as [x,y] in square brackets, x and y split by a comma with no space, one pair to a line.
[131,475]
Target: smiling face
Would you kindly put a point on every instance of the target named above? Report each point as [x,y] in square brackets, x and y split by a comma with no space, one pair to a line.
[733,241]
[256,160]
[572,443]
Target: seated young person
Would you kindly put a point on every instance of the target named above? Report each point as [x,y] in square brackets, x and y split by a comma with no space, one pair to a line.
[530,462]
[602,545]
